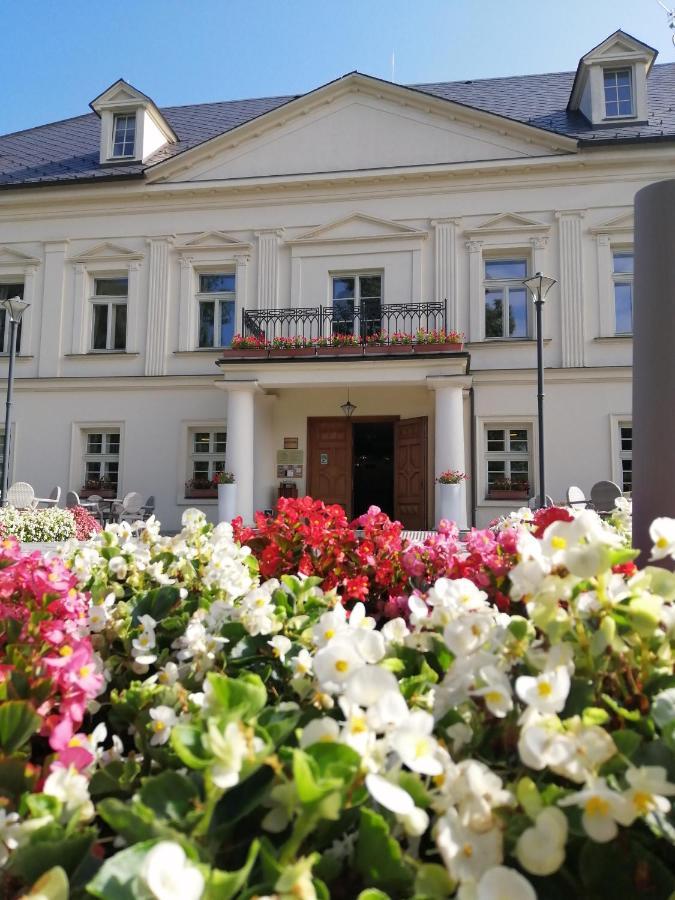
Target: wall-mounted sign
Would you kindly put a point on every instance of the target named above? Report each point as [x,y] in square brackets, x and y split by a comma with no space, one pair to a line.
[290,443]
[323,458]
[286,471]
[290,457]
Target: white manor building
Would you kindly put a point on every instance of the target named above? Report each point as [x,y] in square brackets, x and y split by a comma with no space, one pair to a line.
[144,238]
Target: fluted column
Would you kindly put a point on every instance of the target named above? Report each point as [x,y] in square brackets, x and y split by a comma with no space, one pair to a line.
[49,359]
[268,267]
[571,288]
[445,268]
[157,306]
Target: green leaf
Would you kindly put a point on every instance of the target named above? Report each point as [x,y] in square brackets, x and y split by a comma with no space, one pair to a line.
[580,696]
[627,741]
[225,885]
[373,894]
[644,614]
[279,723]
[53,885]
[529,797]
[433,881]
[519,627]
[663,707]
[156,603]
[628,714]
[137,823]
[310,787]
[656,753]
[170,795]
[239,698]
[116,879]
[594,715]
[241,799]
[18,722]
[186,740]
[15,778]
[617,869]
[32,860]
[335,760]
[117,777]
[378,856]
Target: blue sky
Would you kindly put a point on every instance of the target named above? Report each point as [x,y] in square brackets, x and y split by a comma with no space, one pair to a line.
[57,56]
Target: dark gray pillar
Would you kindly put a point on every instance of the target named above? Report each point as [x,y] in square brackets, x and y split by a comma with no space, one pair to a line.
[653,361]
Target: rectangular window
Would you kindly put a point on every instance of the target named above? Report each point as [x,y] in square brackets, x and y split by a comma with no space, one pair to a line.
[124,135]
[618,93]
[357,296]
[101,459]
[506,314]
[109,314]
[206,458]
[7,292]
[626,455]
[622,276]
[216,298]
[507,461]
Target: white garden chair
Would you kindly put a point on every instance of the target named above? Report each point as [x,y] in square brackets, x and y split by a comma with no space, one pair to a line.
[576,497]
[131,507]
[21,495]
[52,500]
[73,499]
[603,495]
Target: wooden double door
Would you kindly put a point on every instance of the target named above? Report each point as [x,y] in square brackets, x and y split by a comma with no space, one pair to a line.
[338,446]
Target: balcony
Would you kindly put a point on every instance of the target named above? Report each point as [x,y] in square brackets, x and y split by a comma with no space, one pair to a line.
[345,329]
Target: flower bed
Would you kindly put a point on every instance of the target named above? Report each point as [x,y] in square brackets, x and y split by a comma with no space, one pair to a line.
[50,524]
[176,724]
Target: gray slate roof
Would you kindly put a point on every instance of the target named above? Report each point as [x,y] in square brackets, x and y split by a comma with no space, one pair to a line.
[68,150]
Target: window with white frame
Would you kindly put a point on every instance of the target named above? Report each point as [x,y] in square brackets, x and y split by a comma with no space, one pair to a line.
[626,455]
[206,457]
[124,135]
[217,306]
[7,291]
[109,313]
[508,459]
[506,309]
[362,291]
[622,277]
[618,93]
[101,458]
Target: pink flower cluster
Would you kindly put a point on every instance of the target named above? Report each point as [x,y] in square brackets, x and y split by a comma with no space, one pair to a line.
[51,652]
[86,525]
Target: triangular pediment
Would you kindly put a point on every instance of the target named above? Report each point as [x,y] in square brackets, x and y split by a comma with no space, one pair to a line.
[359,124]
[619,45]
[106,251]
[509,222]
[11,257]
[120,93]
[213,240]
[624,222]
[358,227]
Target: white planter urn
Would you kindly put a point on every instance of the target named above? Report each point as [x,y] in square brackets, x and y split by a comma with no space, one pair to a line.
[450,503]
[227,502]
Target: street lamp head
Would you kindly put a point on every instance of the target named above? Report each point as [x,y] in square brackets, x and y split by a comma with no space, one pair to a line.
[539,285]
[15,307]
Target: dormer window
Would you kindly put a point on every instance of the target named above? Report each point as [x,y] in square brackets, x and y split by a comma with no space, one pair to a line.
[124,135]
[618,93]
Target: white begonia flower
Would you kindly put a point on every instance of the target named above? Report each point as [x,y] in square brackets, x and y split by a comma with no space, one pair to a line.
[329,626]
[72,789]
[302,663]
[502,883]
[460,734]
[359,619]
[547,692]
[142,647]
[541,849]
[163,720]
[10,834]
[335,663]
[230,748]
[662,534]
[324,730]
[117,566]
[476,791]
[280,646]
[356,732]
[97,618]
[649,788]
[167,873]
[414,744]
[495,691]
[542,741]
[590,747]
[389,711]
[419,611]
[453,597]
[395,631]
[370,644]
[602,809]
[469,633]
[389,795]
[466,853]
[414,823]
[168,675]
[367,684]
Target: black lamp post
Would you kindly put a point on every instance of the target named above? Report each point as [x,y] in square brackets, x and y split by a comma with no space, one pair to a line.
[539,286]
[15,308]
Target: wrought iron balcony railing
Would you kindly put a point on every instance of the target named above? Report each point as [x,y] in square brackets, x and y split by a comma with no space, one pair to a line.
[368,318]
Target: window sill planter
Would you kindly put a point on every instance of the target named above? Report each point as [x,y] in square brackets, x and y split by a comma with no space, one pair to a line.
[244,353]
[227,502]
[340,351]
[97,492]
[507,495]
[201,493]
[439,348]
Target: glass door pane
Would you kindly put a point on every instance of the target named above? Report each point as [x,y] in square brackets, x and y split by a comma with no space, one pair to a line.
[226,322]
[343,304]
[370,292]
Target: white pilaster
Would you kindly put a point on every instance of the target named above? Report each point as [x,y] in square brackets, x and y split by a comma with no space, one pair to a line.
[539,264]
[49,359]
[29,316]
[80,310]
[268,268]
[157,306]
[133,306]
[605,294]
[476,306]
[187,313]
[241,287]
[445,268]
[240,444]
[450,443]
[571,288]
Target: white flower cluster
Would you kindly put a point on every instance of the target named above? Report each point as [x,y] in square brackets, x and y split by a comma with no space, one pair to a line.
[37,525]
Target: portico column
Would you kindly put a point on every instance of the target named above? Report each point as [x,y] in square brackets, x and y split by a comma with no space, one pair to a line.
[240,445]
[450,447]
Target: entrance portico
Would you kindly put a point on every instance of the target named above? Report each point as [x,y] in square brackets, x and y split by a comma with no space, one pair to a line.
[271,403]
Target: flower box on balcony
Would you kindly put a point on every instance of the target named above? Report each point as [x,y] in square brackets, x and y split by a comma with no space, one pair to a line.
[290,352]
[349,350]
[439,348]
[245,353]
[387,349]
